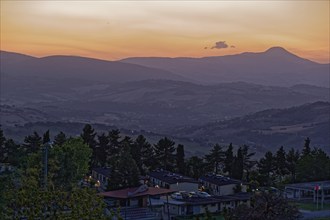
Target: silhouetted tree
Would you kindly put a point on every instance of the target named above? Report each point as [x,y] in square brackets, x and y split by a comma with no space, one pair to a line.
[142,153]
[307,149]
[266,168]
[164,153]
[281,166]
[46,137]
[125,172]
[60,139]
[101,149]
[229,159]
[180,163]
[195,167]
[238,165]
[248,163]
[292,159]
[88,136]
[32,143]
[215,159]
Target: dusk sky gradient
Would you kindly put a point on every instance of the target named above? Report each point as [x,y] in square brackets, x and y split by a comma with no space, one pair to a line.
[113,30]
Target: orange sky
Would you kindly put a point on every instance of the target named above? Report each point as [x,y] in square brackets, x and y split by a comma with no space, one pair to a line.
[117,29]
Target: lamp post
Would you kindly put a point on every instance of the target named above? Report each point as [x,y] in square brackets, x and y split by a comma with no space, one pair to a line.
[46,145]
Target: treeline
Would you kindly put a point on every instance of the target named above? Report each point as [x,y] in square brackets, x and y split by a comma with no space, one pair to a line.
[128,158]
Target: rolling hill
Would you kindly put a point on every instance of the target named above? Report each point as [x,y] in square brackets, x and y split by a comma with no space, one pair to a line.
[269,128]
[275,66]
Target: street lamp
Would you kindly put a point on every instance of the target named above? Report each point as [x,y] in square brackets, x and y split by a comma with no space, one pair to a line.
[46,145]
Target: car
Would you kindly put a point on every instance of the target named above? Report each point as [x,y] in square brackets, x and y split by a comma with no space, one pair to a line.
[203,194]
[176,196]
[193,195]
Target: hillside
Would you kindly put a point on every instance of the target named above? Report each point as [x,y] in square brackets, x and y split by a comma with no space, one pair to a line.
[269,128]
[275,66]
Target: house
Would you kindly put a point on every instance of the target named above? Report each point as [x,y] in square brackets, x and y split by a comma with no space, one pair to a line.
[138,203]
[170,180]
[308,190]
[188,206]
[219,185]
[102,176]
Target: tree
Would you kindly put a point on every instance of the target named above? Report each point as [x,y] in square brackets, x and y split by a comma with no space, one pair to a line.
[215,159]
[281,166]
[46,137]
[101,149]
[313,167]
[292,159]
[266,167]
[60,139]
[3,149]
[180,164]
[164,153]
[143,154]
[88,136]
[113,150]
[238,165]
[307,149]
[73,160]
[229,159]
[266,206]
[195,167]
[32,143]
[248,163]
[125,172]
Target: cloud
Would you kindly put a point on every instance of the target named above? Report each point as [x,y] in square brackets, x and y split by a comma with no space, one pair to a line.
[220,45]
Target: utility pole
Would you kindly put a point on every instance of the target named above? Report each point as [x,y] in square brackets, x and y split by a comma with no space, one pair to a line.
[46,145]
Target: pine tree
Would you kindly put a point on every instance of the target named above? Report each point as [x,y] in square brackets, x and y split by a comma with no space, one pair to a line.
[164,153]
[229,159]
[143,154]
[281,166]
[101,149]
[195,167]
[238,165]
[46,137]
[307,149]
[88,136]
[292,159]
[125,172]
[3,149]
[248,163]
[215,159]
[60,139]
[113,150]
[32,143]
[266,167]
[180,163]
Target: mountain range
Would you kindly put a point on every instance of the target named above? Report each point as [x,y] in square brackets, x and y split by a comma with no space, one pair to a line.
[164,96]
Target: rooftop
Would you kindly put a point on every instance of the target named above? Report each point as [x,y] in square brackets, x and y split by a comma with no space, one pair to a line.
[170,177]
[243,196]
[137,192]
[219,180]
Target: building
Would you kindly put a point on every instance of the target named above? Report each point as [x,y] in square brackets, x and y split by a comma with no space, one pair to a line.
[102,176]
[170,180]
[140,203]
[219,185]
[190,206]
[308,190]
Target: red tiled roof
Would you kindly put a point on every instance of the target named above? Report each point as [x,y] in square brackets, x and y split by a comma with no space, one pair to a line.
[123,193]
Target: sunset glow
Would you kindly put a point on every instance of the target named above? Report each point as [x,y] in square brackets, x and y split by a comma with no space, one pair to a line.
[113,30]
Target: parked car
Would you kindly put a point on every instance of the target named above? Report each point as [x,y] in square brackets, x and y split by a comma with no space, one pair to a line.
[176,196]
[203,194]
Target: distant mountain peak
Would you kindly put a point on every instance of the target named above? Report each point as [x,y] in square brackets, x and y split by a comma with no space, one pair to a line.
[277,50]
